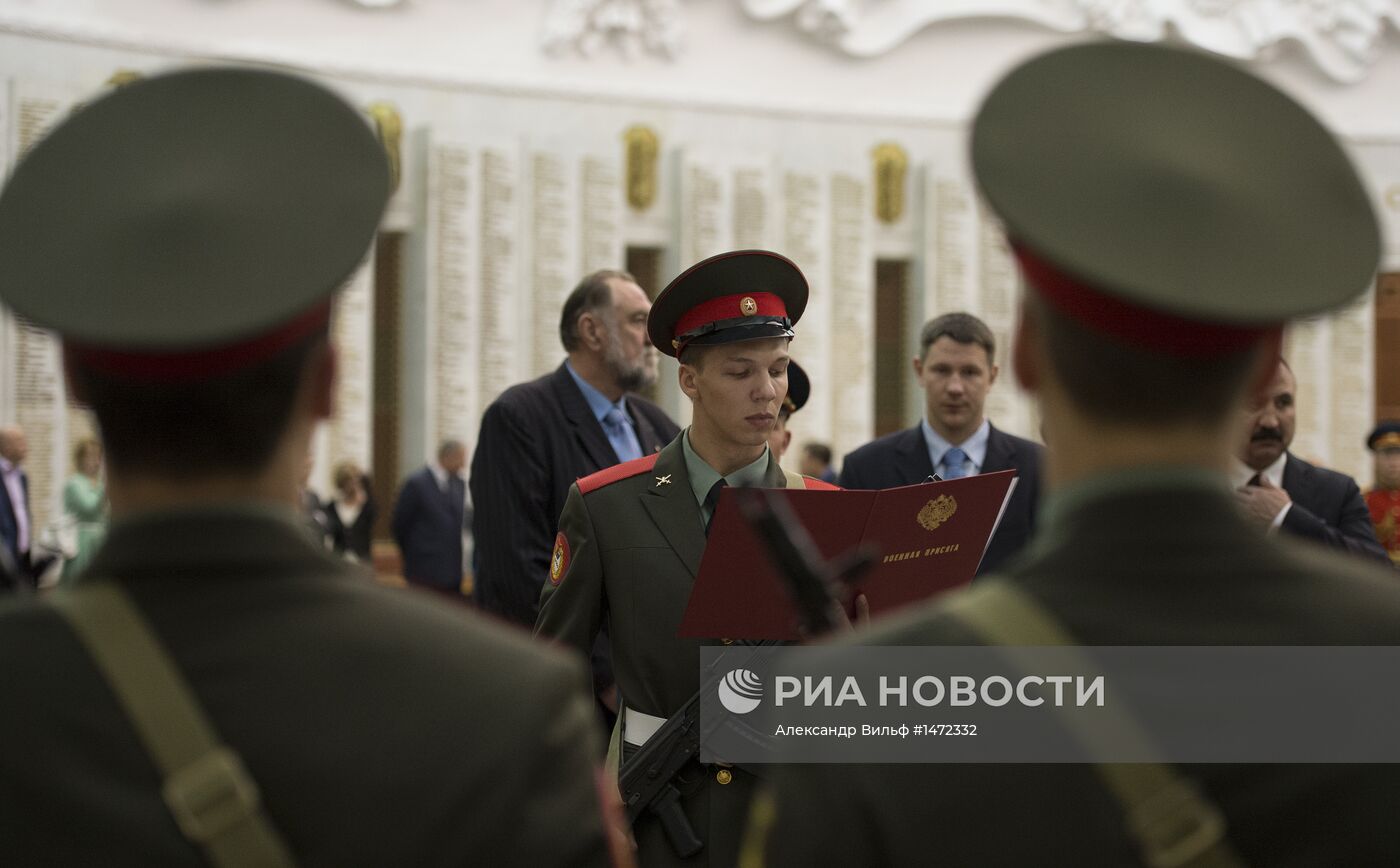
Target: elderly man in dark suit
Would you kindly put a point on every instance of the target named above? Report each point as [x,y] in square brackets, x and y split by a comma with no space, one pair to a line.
[538,437]
[957,367]
[429,517]
[16,529]
[1280,491]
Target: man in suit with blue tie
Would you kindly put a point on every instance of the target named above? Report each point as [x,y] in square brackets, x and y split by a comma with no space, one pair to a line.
[429,517]
[538,437]
[956,366]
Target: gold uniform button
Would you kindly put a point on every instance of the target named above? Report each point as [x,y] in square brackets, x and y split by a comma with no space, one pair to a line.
[724,776]
[726,641]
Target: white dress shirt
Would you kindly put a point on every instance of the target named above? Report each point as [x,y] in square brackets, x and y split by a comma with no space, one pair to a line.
[1241,473]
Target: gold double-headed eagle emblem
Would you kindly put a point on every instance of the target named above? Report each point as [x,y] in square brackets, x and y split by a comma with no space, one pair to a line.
[937,511]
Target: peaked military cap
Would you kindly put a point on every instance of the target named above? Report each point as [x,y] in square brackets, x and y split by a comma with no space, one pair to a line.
[799,389]
[738,296]
[1385,436]
[192,222]
[1171,199]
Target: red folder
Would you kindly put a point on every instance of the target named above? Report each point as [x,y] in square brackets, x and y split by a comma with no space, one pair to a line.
[929,538]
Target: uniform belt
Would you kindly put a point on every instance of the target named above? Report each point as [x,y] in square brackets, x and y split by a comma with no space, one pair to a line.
[638,727]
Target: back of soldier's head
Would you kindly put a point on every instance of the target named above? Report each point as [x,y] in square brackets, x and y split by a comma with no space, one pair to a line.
[1169,212]
[184,235]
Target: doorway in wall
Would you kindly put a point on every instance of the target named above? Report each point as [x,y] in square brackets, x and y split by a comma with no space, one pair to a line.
[892,352]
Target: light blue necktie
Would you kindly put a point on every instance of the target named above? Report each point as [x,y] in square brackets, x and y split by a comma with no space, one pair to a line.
[954,461]
[621,436]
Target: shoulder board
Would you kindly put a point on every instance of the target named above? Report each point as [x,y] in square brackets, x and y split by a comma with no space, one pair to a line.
[609,475]
[818,485]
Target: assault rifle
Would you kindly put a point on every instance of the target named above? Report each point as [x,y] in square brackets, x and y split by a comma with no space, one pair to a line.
[647,780]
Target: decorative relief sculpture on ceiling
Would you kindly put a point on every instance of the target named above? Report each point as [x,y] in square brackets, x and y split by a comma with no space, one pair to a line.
[1343,37]
[630,26]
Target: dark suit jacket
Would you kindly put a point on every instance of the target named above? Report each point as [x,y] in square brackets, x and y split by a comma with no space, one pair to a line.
[1328,507]
[536,439]
[18,573]
[1141,567]
[902,458]
[428,524]
[9,524]
[345,700]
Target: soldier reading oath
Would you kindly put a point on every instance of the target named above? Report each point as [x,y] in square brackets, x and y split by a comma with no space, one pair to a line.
[631,537]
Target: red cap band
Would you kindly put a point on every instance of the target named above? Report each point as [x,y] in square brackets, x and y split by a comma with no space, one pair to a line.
[1162,332]
[730,307]
[192,365]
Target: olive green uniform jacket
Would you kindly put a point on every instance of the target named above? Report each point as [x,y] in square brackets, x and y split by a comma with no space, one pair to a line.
[631,540]
[1154,559]
[382,726]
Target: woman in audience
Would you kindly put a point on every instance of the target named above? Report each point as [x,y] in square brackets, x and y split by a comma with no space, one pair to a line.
[84,506]
[351,512]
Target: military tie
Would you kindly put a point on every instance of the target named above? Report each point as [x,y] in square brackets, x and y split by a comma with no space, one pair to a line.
[953,463]
[1256,480]
[712,501]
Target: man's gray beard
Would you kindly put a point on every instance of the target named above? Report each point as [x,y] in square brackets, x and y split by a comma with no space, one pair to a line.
[629,378]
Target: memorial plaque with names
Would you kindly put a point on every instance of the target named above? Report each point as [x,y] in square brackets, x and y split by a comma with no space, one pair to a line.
[996,305]
[600,202]
[40,403]
[1307,347]
[1331,359]
[952,244]
[454,206]
[806,233]
[503,360]
[705,225]
[350,433]
[553,261]
[1350,372]
[752,208]
[853,308]
[6,145]
[35,107]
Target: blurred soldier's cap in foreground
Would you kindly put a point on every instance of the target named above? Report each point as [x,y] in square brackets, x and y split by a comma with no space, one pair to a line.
[1170,199]
[191,223]
[742,295]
